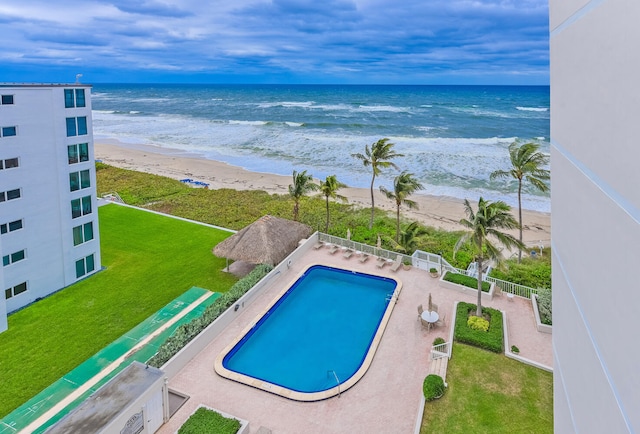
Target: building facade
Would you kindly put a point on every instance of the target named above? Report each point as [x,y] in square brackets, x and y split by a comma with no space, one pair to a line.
[595,202]
[49,235]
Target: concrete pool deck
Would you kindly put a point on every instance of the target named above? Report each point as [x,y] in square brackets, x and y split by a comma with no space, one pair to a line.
[388,398]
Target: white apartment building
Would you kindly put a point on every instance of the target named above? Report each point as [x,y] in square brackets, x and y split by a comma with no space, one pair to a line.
[595,203]
[49,235]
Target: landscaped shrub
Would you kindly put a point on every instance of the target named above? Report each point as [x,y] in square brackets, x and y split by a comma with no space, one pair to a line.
[210,422]
[531,272]
[491,340]
[438,341]
[433,387]
[544,306]
[461,279]
[186,332]
[477,323]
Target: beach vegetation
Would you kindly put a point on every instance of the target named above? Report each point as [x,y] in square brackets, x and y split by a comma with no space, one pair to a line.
[329,189]
[484,225]
[148,261]
[531,272]
[491,339]
[404,185]
[409,236]
[302,184]
[491,393]
[209,421]
[527,164]
[543,299]
[377,157]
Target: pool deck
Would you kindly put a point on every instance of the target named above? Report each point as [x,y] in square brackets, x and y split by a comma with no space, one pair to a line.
[387,399]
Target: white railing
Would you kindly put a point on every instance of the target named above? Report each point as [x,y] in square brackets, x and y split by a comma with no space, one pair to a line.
[361,247]
[512,288]
[441,351]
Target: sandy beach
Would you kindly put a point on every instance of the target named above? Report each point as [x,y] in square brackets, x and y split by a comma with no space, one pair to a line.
[438,211]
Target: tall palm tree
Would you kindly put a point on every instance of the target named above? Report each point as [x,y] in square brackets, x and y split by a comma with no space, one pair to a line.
[329,189]
[378,157]
[482,225]
[527,164]
[302,184]
[404,185]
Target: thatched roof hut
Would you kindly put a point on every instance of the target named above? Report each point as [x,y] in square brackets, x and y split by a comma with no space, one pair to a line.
[268,240]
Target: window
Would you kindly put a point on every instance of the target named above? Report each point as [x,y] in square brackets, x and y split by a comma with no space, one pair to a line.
[78,153]
[80,207]
[9,195]
[76,126]
[13,258]
[11,226]
[8,131]
[82,233]
[9,163]
[79,180]
[74,99]
[18,289]
[7,99]
[84,266]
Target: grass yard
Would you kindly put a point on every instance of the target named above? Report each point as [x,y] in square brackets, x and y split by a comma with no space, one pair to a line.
[490,393]
[149,260]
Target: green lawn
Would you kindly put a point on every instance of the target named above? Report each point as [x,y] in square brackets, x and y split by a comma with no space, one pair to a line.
[490,393]
[149,260]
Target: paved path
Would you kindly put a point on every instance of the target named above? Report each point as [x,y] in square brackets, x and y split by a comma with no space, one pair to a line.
[387,399]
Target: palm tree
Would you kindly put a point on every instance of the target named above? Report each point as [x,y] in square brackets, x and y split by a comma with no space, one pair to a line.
[408,242]
[404,185]
[302,184]
[485,223]
[329,189]
[378,158]
[526,164]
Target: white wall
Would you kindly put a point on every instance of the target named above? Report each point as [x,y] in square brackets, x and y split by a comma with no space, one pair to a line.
[595,202]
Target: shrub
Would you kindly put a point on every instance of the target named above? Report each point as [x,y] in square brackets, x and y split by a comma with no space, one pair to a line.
[433,270]
[186,332]
[544,306]
[491,340]
[433,387]
[477,323]
[469,281]
[534,273]
[438,341]
[209,421]
[515,349]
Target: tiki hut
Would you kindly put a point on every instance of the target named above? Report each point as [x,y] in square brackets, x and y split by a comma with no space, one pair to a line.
[268,240]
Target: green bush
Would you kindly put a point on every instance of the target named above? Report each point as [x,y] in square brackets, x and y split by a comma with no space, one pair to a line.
[210,422]
[491,340]
[433,387]
[515,349]
[186,332]
[438,341]
[544,306]
[531,272]
[461,279]
[477,323]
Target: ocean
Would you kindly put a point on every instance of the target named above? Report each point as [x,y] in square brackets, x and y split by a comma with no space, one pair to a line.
[452,137]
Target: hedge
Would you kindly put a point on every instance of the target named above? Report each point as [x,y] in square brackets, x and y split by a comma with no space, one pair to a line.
[210,422]
[544,306]
[461,279]
[186,332]
[492,340]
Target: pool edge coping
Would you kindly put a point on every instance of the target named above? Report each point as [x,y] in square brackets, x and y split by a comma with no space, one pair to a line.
[309,396]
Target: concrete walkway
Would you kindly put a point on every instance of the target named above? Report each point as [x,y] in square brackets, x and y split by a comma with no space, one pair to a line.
[387,398]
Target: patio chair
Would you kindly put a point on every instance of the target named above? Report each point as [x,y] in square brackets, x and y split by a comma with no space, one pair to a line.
[434,307]
[334,248]
[318,245]
[381,262]
[347,253]
[364,257]
[425,324]
[420,310]
[441,320]
[397,263]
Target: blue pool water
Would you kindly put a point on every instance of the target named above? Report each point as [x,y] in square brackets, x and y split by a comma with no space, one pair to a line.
[325,322]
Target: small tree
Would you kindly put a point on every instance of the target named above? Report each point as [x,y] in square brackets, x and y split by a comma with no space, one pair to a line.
[408,241]
[526,164]
[378,157]
[404,185]
[329,188]
[484,225]
[302,184]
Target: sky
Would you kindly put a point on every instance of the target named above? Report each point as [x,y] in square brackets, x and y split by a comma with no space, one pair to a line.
[276,41]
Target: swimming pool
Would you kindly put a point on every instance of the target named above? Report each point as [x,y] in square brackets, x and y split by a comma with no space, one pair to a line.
[317,338]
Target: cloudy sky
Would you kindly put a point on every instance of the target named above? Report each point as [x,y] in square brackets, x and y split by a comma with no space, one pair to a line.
[276,41]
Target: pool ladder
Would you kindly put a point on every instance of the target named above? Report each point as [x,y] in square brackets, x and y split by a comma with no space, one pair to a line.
[337,380]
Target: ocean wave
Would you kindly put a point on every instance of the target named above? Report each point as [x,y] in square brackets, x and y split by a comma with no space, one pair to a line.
[253,123]
[533,109]
[384,108]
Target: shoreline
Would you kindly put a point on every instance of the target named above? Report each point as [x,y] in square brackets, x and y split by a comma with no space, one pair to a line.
[442,212]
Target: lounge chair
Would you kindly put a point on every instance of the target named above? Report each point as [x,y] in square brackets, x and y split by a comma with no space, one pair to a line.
[347,253]
[334,248]
[318,245]
[397,263]
[381,262]
[364,257]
